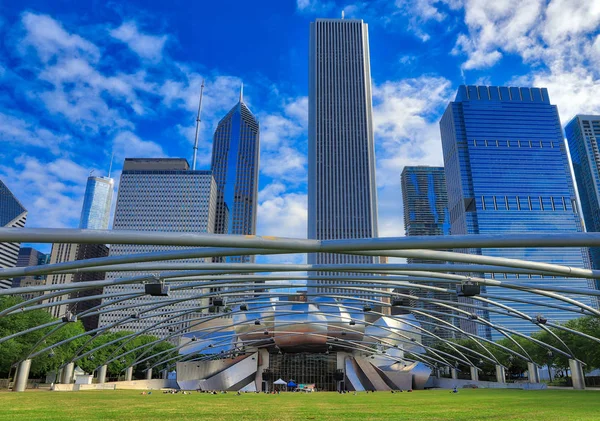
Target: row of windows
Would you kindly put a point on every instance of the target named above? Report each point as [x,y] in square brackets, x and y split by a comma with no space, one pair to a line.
[536,203]
[515,143]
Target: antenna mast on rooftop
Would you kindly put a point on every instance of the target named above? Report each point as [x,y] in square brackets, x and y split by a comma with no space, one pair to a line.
[112,156]
[197,126]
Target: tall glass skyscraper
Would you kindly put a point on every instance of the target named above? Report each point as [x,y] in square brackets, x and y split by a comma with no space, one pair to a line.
[507,171]
[425,200]
[235,163]
[160,194]
[342,194]
[12,215]
[583,135]
[96,203]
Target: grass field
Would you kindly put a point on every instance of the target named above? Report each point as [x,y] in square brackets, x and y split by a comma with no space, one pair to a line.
[482,404]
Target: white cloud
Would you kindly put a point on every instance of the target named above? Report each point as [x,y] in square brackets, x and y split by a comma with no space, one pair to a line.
[18,131]
[314,6]
[50,39]
[405,117]
[148,47]
[52,191]
[283,214]
[128,145]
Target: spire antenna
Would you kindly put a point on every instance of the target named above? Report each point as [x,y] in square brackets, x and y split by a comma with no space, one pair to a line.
[112,156]
[197,126]
[342,14]
[242,93]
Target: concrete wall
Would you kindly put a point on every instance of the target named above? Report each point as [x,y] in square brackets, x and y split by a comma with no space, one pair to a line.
[444,383]
[155,384]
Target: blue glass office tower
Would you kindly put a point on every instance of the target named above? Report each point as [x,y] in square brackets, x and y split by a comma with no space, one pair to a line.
[583,134]
[12,215]
[96,203]
[507,171]
[235,163]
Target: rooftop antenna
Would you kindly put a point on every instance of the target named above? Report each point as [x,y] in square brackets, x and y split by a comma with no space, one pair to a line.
[112,155]
[197,126]
[342,14]
[242,93]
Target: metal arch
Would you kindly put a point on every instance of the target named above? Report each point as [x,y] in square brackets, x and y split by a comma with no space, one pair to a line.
[163,304]
[388,246]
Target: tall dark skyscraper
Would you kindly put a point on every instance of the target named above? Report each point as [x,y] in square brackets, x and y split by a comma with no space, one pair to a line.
[425,200]
[30,257]
[583,135]
[342,193]
[507,171]
[235,164]
[12,215]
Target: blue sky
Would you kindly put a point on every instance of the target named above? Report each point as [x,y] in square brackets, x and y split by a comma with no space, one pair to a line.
[81,79]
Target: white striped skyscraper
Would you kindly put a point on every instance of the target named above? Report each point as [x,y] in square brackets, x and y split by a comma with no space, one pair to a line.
[159,194]
[342,195]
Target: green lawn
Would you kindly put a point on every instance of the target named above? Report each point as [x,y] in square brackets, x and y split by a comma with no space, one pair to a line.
[482,404]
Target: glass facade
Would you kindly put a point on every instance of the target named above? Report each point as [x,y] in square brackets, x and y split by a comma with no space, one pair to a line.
[507,171]
[97,201]
[342,193]
[305,368]
[583,134]
[12,215]
[235,163]
[159,195]
[425,201]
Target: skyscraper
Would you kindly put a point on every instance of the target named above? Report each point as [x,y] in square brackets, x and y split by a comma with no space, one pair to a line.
[583,134]
[342,195]
[425,200]
[507,172]
[96,203]
[160,194]
[235,163]
[12,215]
[30,257]
[62,252]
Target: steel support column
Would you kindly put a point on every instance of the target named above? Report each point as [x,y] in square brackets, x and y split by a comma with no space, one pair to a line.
[474,374]
[149,374]
[21,376]
[577,374]
[102,374]
[500,374]
[533,373]
[129,374]
[67,374]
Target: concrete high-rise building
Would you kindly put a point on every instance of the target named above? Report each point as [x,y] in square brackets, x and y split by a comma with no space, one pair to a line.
[583,135]
[160,194]
[68,253]
[425,201]
[12,215]
[342,194]
[507,171]
[29,256]
[97,201]
[235,163]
